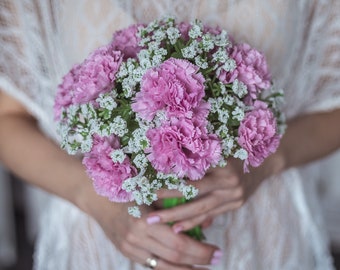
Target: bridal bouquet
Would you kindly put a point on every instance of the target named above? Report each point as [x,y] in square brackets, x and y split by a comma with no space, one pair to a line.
[164,102]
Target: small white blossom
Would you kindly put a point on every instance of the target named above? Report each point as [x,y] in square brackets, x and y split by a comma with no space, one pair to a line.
[222,163]
[134,211]
[229,65]
[144,185]
[223,88]
[238,114]
[63,130]
[140,161]
[123,71]
[86,144]
[161,51]
[138,74]
[144,54]
[220,102]
[93,126]
[107,102]
[149,198]
[157,59]
[128,85]
[144,41]
[222,131]
[72,110]
[159,35]
[213,105]
[201,62]
[117,156]
[191,51]
[170,180]
[241,154]
[103,129]
[188,191]
[152,26]
[138,142]
[239,88]
[207,43]
[229,100]
[227,145]
[173,34]
[130,184]
[159,118]
[156,184]
[154,45]
[223,116]
[195,31]
[220,55]
[222,40]
[118,126]
[138,197]
[210,127]
[171,185]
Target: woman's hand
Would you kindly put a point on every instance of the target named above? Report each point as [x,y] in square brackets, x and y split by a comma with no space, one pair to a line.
[138,240]
[221,190]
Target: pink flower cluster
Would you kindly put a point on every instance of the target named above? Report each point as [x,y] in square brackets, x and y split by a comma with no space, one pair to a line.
[184,148]
[108,176]
[175,86]
[86,81]
[258,134]
[126,41]
[251,69]
[181,145]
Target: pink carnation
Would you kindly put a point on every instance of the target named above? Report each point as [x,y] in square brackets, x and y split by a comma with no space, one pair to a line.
[183,148]
[126,41]
[63,98]
[108,176]
[251,69]
[175,86]
[86,81]
[257,134]
[184,28]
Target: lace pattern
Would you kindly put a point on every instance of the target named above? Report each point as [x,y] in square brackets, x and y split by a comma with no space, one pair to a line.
[40,40]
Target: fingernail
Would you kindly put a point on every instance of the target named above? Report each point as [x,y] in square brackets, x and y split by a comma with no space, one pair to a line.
[217,254]
[215,261]
[177,229]
[153,220]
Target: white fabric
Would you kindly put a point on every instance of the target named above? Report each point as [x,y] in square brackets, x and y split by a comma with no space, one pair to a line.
[281,227]
[330,197]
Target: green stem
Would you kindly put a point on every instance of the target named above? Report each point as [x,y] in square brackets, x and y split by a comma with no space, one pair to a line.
[196,232]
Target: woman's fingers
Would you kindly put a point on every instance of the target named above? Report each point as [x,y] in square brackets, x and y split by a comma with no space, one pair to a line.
[187,224]
[201,206]
[141,256]
[181,248]
[141,239]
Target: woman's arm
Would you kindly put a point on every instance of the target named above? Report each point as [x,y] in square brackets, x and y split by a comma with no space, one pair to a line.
[307,138]
[36,159]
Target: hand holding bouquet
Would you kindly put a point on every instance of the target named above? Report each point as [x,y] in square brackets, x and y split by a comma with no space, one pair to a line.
[161,104]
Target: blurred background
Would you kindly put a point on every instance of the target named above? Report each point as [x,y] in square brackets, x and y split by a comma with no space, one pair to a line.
[19,208]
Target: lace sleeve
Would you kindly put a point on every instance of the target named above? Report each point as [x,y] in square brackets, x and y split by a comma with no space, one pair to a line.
[24,72]
[322,63]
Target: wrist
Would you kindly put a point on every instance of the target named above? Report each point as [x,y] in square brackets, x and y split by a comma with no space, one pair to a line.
[94,205]
[274,164]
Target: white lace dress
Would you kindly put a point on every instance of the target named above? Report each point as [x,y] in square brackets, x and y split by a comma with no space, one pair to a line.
[281,226]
